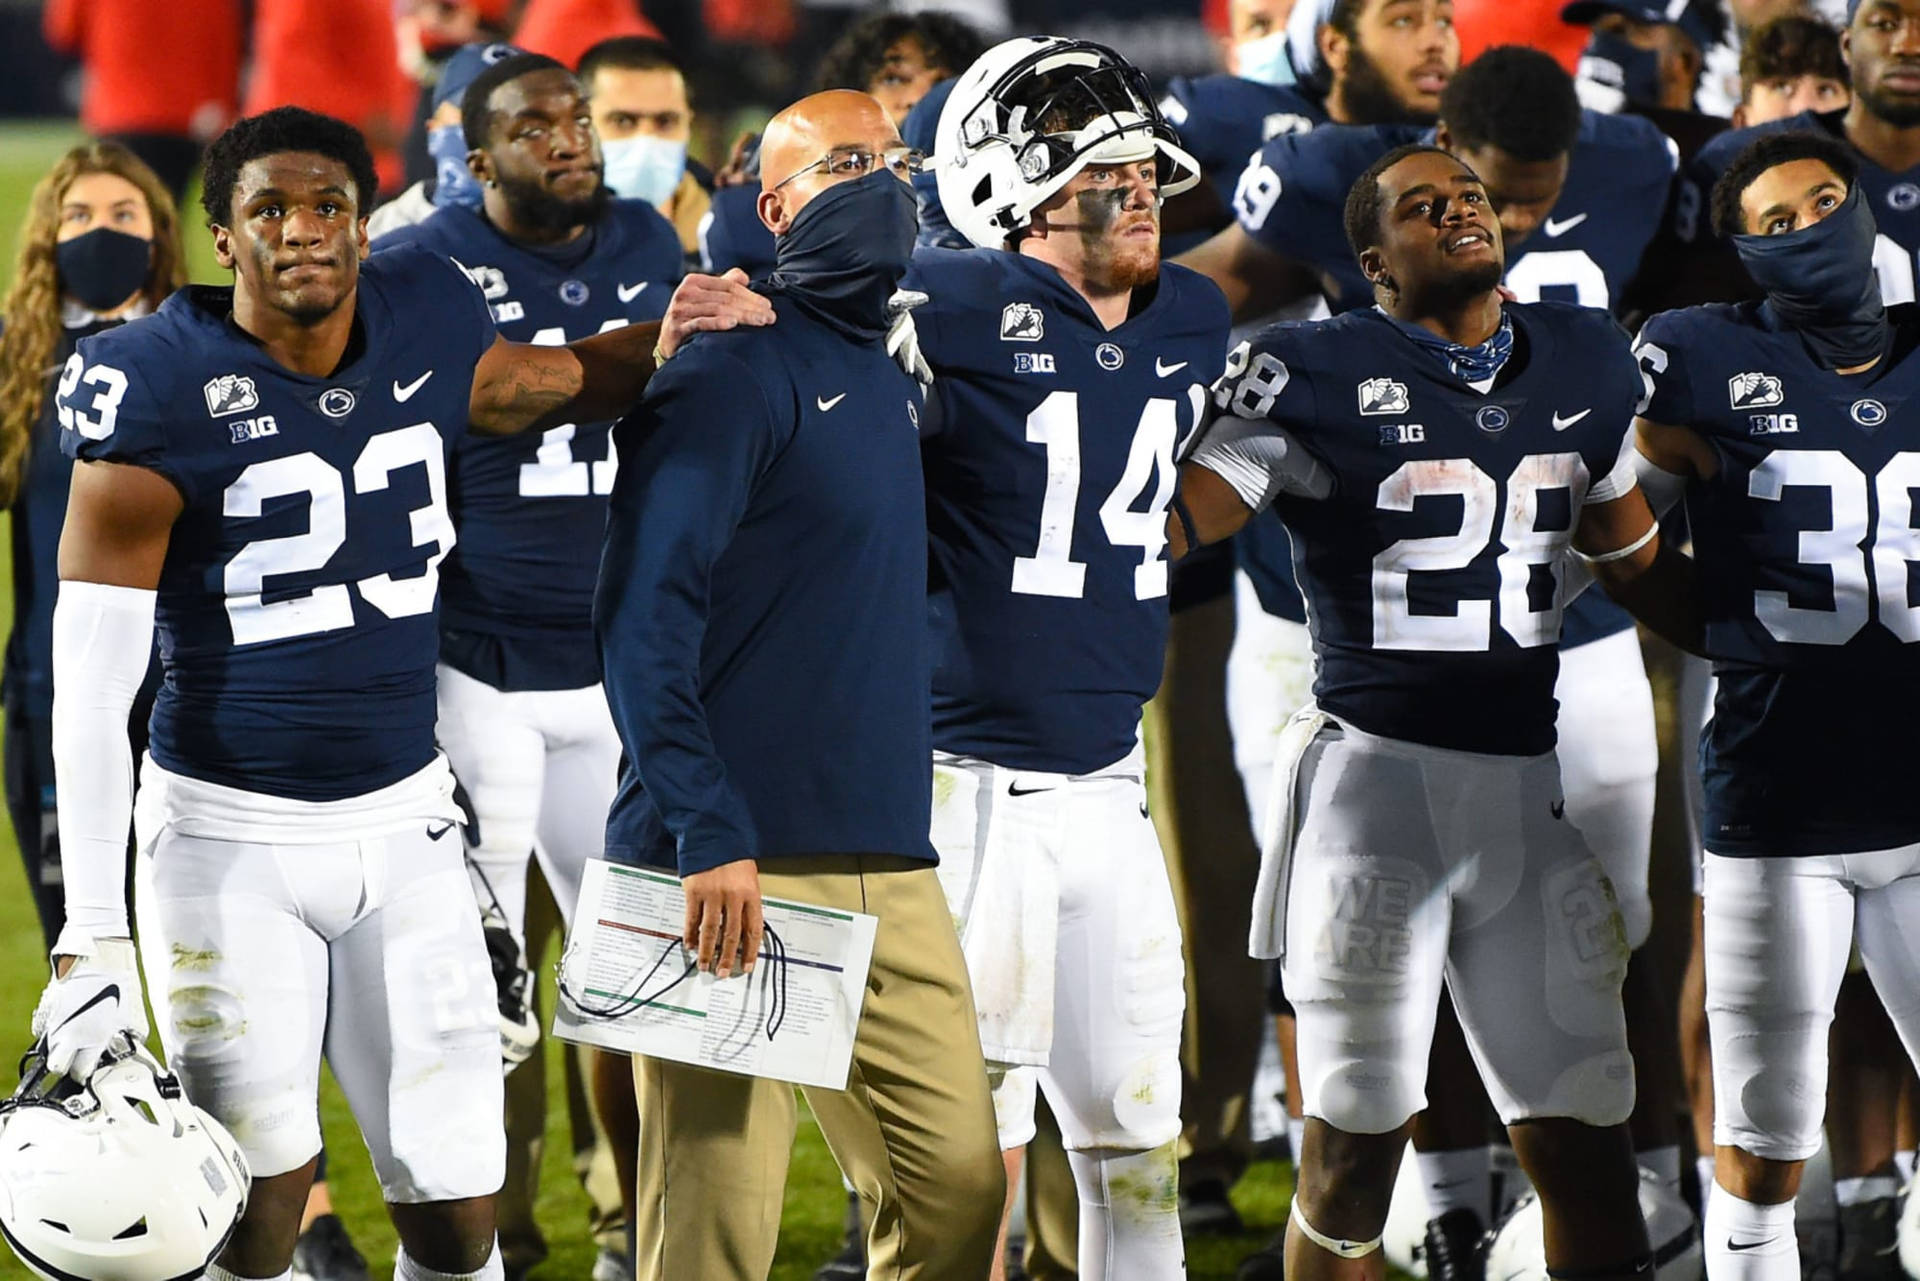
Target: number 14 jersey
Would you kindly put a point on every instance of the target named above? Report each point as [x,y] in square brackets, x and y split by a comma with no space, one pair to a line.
[1049,451]
[296,610]
[1433,572]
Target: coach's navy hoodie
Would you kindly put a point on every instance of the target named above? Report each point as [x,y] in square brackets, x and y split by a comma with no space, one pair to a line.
[762,602]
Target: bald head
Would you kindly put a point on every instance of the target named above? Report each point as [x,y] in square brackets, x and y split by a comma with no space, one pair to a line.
[802,135]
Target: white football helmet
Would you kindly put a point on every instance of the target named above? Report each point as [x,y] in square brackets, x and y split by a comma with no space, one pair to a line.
[119,1179]
[992,164]
[1519,1252]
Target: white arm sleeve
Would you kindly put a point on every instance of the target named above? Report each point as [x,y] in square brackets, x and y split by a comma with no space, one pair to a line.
[102,643]
[1261,461]
[1664,489]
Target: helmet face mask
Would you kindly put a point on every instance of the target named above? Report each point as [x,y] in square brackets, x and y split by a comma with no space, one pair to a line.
[1028,116]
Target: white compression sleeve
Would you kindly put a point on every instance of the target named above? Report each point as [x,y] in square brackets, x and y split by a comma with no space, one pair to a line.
[102,643]
[1664,489]
[1260,461]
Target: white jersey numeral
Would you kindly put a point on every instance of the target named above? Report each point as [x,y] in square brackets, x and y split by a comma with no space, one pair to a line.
[554,472]
[1051,570]
[1525,549]
[96,422]
[1839,548]
[330,607]
[1559,269]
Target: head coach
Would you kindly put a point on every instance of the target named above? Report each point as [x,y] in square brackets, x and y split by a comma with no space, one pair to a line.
[761,614]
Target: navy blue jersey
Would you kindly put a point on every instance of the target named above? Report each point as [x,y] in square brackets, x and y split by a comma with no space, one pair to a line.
[1049,456]
[1223,120]
[296,613]
[732,235]
[1294,195]
[762,603]
[1893,197]
[1432,573]
[1293,200]
[517,595]
[1806,543]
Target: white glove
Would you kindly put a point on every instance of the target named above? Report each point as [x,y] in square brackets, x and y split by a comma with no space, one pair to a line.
[98,1001]
[903,340]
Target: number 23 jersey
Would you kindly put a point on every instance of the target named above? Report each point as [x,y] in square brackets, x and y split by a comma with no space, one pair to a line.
[1433,572]
[1806,545]
[1049,453]
[296,610]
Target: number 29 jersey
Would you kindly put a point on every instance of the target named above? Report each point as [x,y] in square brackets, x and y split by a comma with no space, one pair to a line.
[1433,572]
[1806,544]
[296,609]
[1049,452]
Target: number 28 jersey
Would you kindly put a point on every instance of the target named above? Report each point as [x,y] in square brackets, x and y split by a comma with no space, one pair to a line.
[1049,452]
[1806,543]
[1433,572]
[296,610]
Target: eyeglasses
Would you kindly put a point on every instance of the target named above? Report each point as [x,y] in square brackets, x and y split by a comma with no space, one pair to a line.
[857,162]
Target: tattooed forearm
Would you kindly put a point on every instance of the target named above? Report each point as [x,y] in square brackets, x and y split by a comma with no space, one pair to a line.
[516,386]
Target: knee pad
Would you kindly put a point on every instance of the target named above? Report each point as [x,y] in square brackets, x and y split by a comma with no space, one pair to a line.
[1366,1097]
[1597,1091]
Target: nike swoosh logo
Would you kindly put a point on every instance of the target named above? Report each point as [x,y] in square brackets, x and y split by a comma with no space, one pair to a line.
[1561,424]
[1738,1246]
[826,404]
[1559,809]
[629,292]
[1162,368]
[1562,227]
[1014,789]
[404,394]
[433,835]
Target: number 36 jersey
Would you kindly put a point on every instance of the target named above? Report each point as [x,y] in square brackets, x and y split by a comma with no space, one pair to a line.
[296,610]
[1807,545]
[1433,573]
[1049,450]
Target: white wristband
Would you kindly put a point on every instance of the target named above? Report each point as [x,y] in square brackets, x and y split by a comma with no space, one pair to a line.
[1620,553]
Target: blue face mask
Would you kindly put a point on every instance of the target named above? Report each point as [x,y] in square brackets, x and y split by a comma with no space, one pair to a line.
[1264,60]
[453,183]
[1615,72]
[644,168]
[1820,281]
[845,253]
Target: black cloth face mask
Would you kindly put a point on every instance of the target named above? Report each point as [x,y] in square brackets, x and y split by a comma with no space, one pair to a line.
[1820,283]
[103,268]
[846,251]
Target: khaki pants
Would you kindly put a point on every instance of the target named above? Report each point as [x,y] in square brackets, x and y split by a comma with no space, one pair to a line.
[913,1131]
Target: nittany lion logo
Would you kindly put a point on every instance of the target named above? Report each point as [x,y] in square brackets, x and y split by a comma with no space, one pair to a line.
[1754,391]
[231,394]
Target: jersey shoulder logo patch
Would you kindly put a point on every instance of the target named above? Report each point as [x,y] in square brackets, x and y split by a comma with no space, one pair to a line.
[1383,396]
[230,394]
[1754,391]
[1022,322]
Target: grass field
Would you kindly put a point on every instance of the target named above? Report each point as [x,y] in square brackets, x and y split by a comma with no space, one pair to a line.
[811,1228]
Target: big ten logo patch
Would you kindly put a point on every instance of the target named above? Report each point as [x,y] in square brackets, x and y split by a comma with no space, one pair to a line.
[1365,934]
[1587,943]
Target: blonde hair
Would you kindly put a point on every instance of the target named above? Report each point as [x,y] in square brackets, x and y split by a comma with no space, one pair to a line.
[32,308]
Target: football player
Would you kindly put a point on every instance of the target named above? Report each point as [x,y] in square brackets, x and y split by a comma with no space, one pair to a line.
[261,479]
[1579,196]
[521,714]
[1375,62]
[1779,422]
[1881,45]
[1068,365]
[1432,458]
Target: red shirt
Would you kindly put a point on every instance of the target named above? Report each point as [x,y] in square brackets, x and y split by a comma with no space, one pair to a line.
[1485,23]
[565,29]
[148,69]
[338,57]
